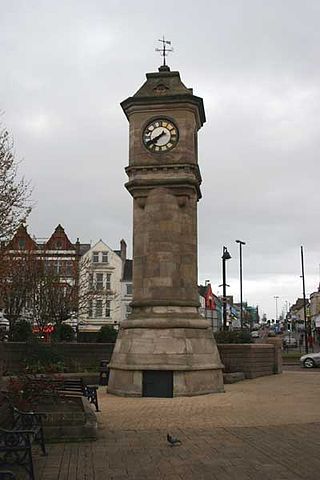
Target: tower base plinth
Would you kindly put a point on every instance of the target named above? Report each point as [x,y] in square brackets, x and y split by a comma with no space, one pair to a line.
[165,362]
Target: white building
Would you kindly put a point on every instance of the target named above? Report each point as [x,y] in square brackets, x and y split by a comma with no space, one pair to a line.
[104,295]
[126,289]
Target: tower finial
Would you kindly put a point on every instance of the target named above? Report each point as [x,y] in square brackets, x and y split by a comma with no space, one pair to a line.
[164,52]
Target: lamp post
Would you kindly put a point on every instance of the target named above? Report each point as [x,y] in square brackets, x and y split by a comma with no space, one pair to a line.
[241,311]
[276,299]
[225,256]
[304,303]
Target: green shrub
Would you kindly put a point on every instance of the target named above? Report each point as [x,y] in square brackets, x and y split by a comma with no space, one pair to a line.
[107,334]
[21,331]
[42,359]
[233,336]
[63,333]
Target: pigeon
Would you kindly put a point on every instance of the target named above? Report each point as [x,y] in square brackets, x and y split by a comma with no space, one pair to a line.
[173,441]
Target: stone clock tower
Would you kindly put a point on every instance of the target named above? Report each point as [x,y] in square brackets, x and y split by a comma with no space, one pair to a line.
[165,348]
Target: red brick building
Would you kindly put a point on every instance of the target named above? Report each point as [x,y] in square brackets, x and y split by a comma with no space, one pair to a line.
[57,254]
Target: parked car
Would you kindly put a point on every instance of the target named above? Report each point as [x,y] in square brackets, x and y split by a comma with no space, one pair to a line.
[289,342]
[255,334]
[310,360]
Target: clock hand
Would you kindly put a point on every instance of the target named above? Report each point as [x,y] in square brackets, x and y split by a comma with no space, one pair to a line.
[155,139]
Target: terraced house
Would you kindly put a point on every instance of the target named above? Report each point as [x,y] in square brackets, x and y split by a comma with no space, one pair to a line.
[52,280]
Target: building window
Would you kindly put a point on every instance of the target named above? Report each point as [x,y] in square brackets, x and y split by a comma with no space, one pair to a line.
[98,309]
[108,308]
[95,257]
[129,288]
[58,244]
[56,267]
[108,281]
[99,281]
[22,244]
[69,267]
[104,257]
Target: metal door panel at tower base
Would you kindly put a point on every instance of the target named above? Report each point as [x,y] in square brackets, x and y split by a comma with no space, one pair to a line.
[157,383]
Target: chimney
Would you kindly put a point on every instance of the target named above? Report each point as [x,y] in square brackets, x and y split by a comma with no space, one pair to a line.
[77,245]
[123,250]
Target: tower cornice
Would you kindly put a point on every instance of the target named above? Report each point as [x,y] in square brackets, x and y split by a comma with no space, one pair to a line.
[130,103]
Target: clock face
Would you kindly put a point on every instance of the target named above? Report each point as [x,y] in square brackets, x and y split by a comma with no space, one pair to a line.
[160,136]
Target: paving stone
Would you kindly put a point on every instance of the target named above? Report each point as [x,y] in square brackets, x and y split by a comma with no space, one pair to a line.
[262,429]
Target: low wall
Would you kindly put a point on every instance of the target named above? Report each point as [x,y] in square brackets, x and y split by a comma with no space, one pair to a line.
[76,356]
[254,360]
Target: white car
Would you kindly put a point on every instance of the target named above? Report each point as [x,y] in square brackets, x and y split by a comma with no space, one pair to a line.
[310,360]
[289,341]
[255,334]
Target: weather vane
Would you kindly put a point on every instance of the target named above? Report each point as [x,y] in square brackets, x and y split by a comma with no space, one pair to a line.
[164,50]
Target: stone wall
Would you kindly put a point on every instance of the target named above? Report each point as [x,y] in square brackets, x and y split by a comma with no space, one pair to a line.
[254,360]
[76,356]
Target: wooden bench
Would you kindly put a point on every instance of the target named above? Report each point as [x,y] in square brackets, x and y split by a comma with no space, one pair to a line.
[75,387]
[18,430]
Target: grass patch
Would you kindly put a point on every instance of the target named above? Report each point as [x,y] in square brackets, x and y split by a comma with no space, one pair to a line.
[291,355]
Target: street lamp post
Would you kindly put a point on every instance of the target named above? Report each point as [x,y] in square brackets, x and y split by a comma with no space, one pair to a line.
[225,256]
[276,299]
[241,311]
[304,303]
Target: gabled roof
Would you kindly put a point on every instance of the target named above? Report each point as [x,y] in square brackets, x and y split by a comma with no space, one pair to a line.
[101,244]
[59,240]
[20,236]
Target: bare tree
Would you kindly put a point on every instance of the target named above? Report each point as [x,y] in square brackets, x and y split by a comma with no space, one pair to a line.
[18,277]
[53,298]
[31,286]
[15,193]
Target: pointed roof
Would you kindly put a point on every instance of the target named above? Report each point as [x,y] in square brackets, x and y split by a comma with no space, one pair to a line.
[163,83]
[59,240]
[100,243]
[22,240]
[166,87]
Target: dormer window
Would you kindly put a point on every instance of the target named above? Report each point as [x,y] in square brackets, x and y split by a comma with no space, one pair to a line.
[95,257]
[58,244]
[104,257]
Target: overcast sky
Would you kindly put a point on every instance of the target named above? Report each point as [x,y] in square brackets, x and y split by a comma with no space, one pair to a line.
[67,64]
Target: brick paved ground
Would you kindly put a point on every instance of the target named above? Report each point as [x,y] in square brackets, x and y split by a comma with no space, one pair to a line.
[267,428]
